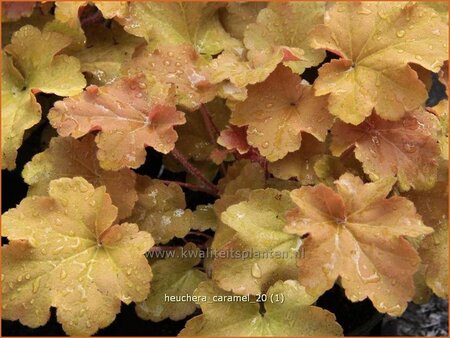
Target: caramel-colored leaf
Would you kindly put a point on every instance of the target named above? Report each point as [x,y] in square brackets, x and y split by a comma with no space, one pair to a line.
[236,16]
[296,316]
[177,66]
[267,253]
[278,110]
[376,41]
[300,164]
[432,205]
[20,111]
[234,138]
[285,26]
[441,112]
[406,148]
[23,72]
[67,157]
[64,252]
[127,114]
[172,277]
[179,23]
[357,234]
[160,210]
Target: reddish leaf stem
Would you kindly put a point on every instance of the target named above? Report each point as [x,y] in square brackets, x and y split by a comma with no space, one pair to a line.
[212,129]
[194,171]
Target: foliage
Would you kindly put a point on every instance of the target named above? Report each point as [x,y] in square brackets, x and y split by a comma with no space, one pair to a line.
[235,154]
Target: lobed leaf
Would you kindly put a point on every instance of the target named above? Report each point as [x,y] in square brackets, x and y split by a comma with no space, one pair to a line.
[23,74]
[177,277]
[278,110]
[160,210]
[179,23]
[129,117]
[67,157]
[375,42]
[357,234]
[286,26]
[177,66]
[432,205]
[406,148]
[258,224]
[64,252]
[245,319]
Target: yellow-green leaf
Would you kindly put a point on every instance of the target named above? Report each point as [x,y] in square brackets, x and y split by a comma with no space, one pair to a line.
[65,252]
[286,26]
[174,276]
[160,210]
[296,316]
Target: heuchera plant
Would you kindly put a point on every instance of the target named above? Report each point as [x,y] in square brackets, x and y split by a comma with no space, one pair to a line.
[345,172]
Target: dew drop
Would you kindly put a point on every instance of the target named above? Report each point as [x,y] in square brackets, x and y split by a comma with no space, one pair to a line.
[139,95]
[409,147]
[256,271]
[269,105]
[400,33]
[265,145]
[63,274]
[27,276]
[36,284]
[142,85]
[418,57]
[167,63]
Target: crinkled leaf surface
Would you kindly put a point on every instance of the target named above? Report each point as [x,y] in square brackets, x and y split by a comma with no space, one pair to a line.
[177,66]
[23,72]
[127,114]
[196,24]
[68,157]
[277,110]
[259,224]
[64,252]
[286,26]
[357,234]
[294,317]
[407,148]
[160,210]
[172,277]
[376,41]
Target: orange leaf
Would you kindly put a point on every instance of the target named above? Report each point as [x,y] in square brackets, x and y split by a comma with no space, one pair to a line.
[128,117]
[357,234]
[407,148]
[278,110]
